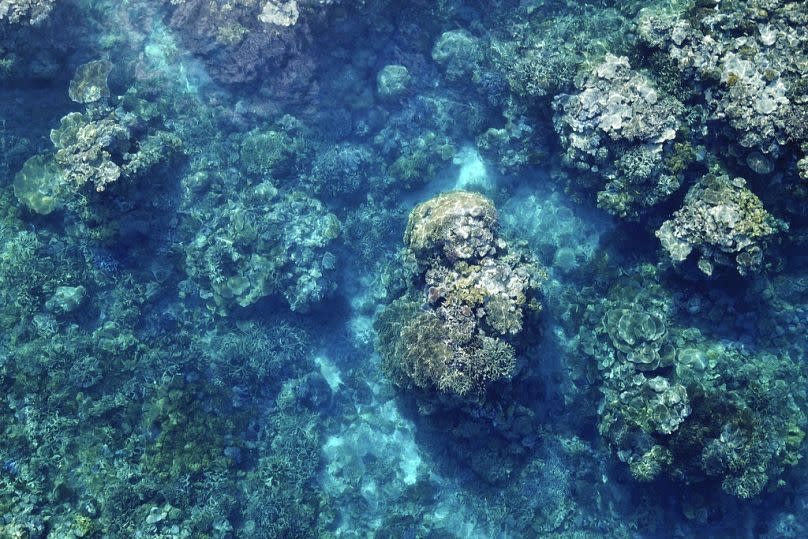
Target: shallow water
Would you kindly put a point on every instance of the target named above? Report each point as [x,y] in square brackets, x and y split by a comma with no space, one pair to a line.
[245,292]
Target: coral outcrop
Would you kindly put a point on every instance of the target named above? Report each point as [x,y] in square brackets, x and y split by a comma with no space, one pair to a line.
[625,135]
[724,223]
[677,403]
[40,184]
[456,331]
[25,11]
[751,56]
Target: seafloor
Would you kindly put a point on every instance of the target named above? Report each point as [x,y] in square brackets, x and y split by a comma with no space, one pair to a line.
[403,269]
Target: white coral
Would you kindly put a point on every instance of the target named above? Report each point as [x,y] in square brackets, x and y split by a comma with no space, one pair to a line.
[280,13]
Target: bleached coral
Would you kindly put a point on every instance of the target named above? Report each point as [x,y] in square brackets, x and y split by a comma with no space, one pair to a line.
[279,12]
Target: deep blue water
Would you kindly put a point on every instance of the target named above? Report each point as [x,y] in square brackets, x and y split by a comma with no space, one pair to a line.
[321,268]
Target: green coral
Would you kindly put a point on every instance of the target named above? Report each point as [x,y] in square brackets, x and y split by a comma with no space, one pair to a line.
[393,81]
[651,463]
[264,243]
[270,153]
[420,160]
[40,184]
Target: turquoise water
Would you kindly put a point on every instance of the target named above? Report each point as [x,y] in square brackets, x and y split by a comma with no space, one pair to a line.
[320,268]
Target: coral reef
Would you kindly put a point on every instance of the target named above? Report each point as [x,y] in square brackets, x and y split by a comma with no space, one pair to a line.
[344,171]
[39,185]
[458,52]
[751,56]
[26,11]
[89,84]
[265,242]
[85,146]
[210,326]
[621,131]
[676,403]
[477,296]
[271,154]
[725,223]
[393,81]
[242,42]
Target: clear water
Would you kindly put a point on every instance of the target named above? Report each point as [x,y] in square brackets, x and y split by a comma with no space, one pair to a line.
[203,209]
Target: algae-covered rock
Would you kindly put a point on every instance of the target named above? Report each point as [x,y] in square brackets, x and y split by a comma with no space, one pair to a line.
[39,184]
